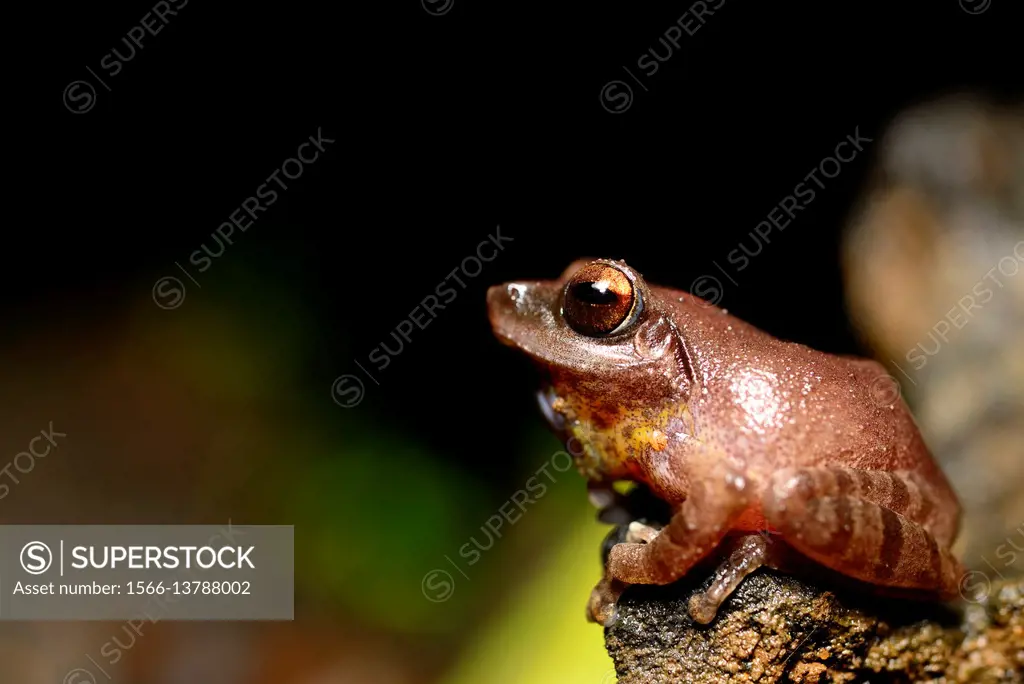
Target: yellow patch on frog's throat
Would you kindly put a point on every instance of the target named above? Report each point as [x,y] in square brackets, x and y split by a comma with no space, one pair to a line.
[651,437]
[615,440]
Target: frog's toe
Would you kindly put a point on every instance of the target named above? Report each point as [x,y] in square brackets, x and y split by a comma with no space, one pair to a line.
[602,606]
[638,532]
[703,609]
[602,612]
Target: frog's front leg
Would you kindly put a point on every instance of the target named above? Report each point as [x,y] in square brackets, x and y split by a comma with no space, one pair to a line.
[876,526]
[715,500]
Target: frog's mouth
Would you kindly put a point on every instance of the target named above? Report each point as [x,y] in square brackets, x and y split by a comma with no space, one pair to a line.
[552,407]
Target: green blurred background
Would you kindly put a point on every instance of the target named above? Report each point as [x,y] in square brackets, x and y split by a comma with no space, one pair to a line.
[206,414]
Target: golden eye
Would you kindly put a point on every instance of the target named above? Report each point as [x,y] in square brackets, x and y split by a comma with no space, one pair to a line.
[601,300]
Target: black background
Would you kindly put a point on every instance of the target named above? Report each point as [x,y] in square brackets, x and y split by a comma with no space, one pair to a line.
[447,126]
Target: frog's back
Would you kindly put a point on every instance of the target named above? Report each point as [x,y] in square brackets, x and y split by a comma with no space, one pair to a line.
[793,405]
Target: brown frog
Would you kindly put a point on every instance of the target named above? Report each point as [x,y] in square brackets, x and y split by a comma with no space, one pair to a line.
[749,439]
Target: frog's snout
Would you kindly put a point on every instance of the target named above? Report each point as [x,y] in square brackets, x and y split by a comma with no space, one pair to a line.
[515,310]
[497,298]
[501,312]
[503,299]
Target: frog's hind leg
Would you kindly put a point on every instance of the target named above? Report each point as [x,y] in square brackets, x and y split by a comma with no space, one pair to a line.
[862,523]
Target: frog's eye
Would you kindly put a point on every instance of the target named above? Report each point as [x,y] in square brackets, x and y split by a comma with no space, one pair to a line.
[601,300]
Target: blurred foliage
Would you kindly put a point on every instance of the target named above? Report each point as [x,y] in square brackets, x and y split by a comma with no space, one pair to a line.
[539,633]
[375,521]
[222,409]
[375,510]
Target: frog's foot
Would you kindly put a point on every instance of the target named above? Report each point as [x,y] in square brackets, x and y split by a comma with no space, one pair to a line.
[640,533]
[750,554]
[601,608]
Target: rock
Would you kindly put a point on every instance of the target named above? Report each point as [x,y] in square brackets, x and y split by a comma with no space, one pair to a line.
[777,628]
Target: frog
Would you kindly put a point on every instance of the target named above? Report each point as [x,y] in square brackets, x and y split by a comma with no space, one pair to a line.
[766,452]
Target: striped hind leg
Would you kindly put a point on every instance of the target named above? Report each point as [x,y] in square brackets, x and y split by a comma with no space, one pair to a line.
[875,526]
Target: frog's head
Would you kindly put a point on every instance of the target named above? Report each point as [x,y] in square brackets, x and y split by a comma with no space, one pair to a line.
[618,376]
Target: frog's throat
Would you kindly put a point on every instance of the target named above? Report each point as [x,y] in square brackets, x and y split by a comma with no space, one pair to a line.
[595,461]
[613,447]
